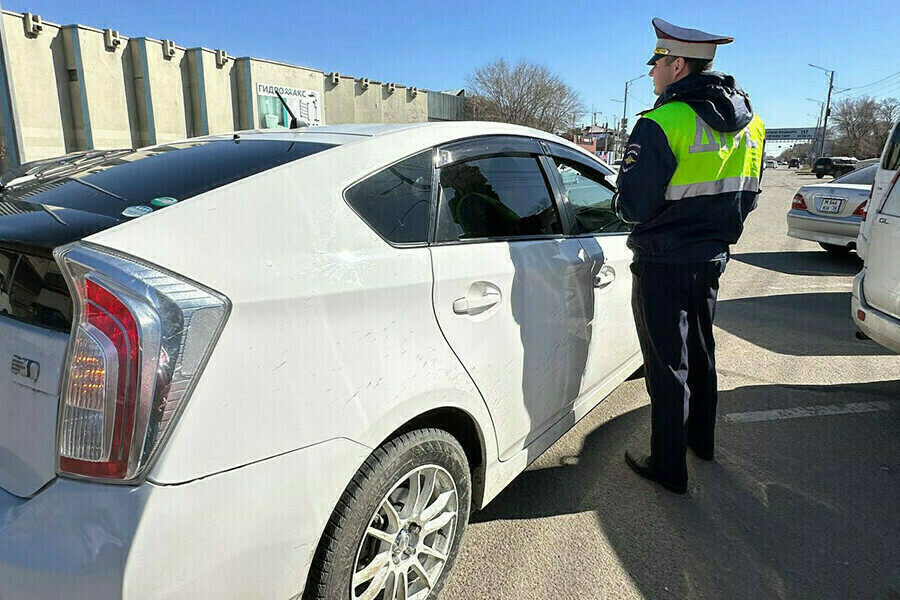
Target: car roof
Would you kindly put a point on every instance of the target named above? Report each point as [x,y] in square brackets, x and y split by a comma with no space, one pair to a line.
[350,133]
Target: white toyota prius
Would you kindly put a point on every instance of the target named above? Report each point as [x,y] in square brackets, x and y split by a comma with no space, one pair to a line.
[288,364]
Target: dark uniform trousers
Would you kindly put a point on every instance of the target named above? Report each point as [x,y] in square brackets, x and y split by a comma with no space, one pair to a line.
[674,306]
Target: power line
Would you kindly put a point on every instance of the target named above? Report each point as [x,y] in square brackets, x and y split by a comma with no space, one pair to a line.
[859,87]
[881,92]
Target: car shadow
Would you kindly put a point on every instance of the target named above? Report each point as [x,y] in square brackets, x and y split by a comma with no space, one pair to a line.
[778,515]
[823,318]
[803,263]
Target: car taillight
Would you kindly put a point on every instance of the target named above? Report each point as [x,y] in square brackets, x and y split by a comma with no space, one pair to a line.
[140,339]
[799,203]
[861,210]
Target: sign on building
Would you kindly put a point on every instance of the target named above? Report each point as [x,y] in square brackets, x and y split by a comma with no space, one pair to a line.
[306,105]
[792,134]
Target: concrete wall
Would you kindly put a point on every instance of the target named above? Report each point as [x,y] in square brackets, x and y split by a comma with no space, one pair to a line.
[103,89]
[162,89]
[67,89]
[214,93]
[40,83]
[340,100]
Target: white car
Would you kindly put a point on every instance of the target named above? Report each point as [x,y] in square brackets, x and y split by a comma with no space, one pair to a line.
[287,364]
[770,163]
[831,213]
[888,165]
[876,289]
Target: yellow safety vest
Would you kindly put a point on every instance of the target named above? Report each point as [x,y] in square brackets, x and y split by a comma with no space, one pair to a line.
[709,161]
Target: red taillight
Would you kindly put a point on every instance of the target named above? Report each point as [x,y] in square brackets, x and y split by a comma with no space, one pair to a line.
[861,210]
[860,315]
[140,341]
[799,203]
[116,341]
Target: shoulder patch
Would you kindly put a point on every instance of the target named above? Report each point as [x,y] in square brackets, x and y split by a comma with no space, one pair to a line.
[632,154]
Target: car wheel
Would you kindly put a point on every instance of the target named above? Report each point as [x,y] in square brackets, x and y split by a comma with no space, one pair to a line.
[396,531]
[834,248]
[820,175]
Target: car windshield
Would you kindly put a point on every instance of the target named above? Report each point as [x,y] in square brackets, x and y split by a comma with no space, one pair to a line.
[864,176]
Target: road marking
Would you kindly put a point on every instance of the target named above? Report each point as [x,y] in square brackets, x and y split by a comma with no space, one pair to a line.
[807,411]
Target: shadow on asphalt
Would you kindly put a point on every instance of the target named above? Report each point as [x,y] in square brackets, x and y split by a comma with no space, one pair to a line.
[797,508]
[803,263]
[822,324]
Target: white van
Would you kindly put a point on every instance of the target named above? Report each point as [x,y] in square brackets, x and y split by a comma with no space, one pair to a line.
[876,289]
[890,162]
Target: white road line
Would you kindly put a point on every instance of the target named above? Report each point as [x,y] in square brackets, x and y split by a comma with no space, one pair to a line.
[807,411]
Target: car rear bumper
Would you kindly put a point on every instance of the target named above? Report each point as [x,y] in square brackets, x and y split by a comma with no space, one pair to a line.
[829,230]
[246,533]
[879,326]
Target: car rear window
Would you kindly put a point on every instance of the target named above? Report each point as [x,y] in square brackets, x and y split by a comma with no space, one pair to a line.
[891,155]
[33,290]
[171,171]
[864,176]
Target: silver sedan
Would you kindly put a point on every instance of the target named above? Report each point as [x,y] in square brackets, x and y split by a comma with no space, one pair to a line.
[830,213]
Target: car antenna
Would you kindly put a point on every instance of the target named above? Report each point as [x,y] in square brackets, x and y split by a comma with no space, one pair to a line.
[295,122]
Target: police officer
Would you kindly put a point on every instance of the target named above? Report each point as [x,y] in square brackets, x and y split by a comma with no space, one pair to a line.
[689,177]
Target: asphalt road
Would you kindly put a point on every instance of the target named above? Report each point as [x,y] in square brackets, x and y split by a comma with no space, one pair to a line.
[801,507]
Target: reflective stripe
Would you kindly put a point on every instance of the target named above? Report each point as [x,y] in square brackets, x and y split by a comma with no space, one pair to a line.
[708,188]
[708,161]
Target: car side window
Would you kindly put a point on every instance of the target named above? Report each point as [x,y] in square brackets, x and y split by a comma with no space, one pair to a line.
[891,160]
[590,199]
[396,201]
[496,197]
[892,204]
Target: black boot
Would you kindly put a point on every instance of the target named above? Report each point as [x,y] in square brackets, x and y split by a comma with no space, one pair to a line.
[640,464]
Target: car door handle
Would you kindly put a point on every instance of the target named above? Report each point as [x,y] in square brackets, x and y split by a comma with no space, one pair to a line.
[607,276]
[473,305]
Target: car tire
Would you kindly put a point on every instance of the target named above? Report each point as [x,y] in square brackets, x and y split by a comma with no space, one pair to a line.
[375,535]
[834,248]
[820,175]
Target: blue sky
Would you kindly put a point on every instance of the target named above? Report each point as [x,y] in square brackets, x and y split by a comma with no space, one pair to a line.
[594,46]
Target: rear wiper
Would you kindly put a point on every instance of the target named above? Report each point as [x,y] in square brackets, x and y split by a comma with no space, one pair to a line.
[40,168]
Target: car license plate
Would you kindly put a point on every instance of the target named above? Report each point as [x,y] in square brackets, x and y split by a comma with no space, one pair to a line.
[831,205]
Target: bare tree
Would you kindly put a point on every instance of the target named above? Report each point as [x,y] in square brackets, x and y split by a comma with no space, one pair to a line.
[522,94]
[862,125]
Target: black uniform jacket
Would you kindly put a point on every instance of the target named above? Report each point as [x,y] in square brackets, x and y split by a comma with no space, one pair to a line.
[695,229]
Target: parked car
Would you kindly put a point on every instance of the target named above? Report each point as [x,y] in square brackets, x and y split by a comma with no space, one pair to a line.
[889,164]
[833,165]
[794,163]
[876,289]
[830,213]
[770,163]
[291,362]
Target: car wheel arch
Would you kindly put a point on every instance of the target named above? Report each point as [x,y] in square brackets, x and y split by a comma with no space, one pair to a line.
[473,429]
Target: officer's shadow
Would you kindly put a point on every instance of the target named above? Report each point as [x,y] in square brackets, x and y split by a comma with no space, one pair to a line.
[734,535]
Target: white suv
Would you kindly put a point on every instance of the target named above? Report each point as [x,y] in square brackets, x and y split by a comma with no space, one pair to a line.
[279,364]
[876,289]
[888,165]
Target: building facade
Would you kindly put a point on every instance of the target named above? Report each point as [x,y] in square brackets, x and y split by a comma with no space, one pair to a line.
[70,88]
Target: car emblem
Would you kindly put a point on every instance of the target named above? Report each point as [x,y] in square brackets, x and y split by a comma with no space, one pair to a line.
[25,367]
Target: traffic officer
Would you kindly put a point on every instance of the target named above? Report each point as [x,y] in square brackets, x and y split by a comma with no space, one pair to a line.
[689,177]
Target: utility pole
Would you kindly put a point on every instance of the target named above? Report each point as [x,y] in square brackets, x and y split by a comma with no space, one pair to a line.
[625,108]
[827,105]
[812,149]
